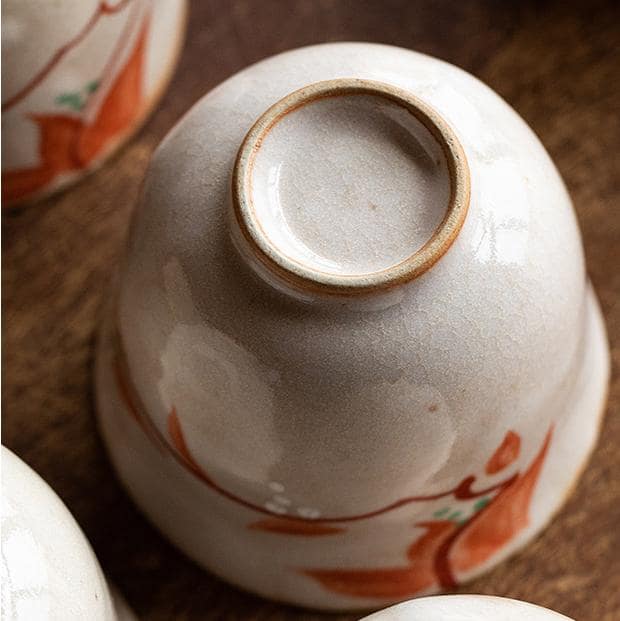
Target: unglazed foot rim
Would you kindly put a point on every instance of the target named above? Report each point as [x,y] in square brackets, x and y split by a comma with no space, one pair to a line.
[132,452]
[306,277]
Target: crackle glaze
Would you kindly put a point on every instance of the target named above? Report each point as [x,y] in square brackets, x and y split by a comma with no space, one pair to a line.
[79,76]
[466,608]
[353,356]
[49,571]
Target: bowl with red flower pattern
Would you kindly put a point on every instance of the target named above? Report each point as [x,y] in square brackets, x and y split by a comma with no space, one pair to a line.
[353,355]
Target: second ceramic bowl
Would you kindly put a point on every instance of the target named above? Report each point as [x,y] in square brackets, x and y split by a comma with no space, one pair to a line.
[79,77]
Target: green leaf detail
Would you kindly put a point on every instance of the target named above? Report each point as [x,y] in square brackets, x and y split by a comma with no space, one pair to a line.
[74,99]
[71,100]
[454,517]
[481,504]
[441,512]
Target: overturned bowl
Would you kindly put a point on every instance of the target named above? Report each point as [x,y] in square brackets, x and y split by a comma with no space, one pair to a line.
[353,356]
[466,608]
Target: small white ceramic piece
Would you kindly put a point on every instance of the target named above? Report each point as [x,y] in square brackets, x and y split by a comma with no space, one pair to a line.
[466,608]
[354,356]
[49,571]
[79,77]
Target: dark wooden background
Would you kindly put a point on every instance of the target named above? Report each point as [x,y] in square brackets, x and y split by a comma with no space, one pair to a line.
[556,62]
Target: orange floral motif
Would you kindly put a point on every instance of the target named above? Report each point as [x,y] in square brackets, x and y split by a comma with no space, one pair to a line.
[446,547]
[505,454]
[67,144]
[499,521]
[391,582]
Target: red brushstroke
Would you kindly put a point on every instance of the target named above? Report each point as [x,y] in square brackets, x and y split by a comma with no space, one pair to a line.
[176,433]
[103,9]
[284,526]
[391,582]
[497,523]
[505,454]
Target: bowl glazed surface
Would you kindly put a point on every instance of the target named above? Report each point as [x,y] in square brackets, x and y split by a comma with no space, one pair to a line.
[49,571]
[297,421]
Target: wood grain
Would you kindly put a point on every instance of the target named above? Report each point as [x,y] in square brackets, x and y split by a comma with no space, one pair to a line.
[555,62]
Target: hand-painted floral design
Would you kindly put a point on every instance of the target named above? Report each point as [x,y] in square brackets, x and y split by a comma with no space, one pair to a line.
[70,141]
[455,539]
[447,548]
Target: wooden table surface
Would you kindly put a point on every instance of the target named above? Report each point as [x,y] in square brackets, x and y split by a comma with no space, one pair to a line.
[557,65]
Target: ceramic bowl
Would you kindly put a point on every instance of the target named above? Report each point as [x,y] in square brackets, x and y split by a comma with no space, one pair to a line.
[49,571]
[79,77]
[353,355]
[466,608]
